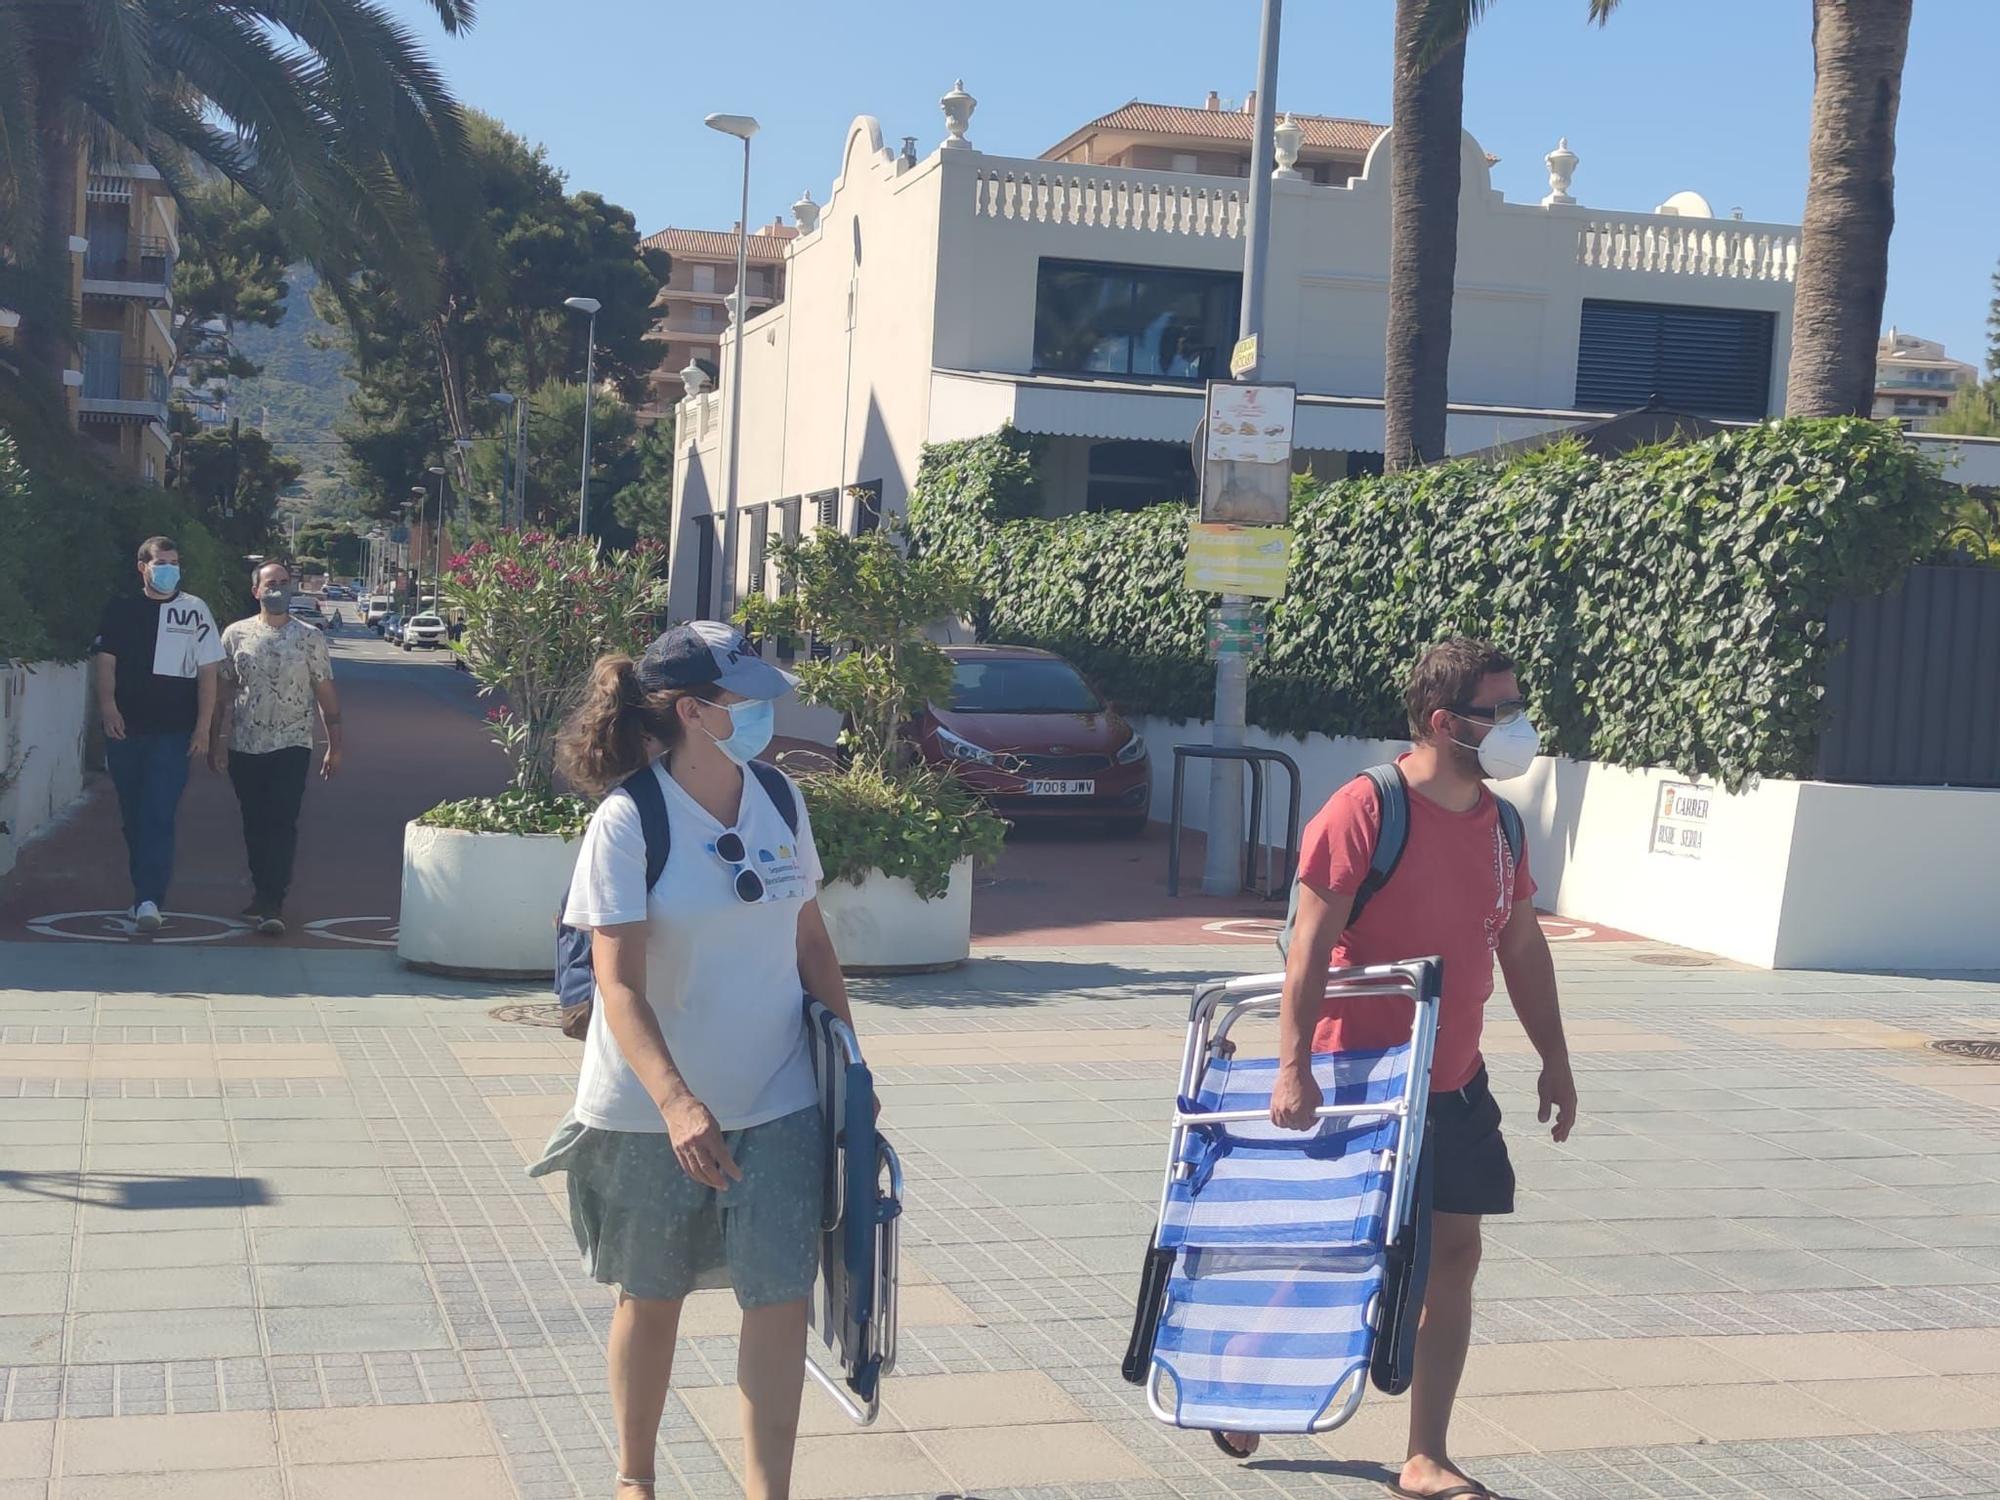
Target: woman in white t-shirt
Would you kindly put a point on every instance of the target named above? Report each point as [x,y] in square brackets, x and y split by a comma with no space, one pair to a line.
[695,1150]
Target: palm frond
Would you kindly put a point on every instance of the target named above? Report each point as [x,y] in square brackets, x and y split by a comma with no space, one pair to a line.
[20,148]
[118,33]
[1600,10]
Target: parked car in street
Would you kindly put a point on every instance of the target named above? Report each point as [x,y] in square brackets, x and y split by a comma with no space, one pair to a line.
[376,612]
[338,591]
[305,607]
[425,630]
[1027,732]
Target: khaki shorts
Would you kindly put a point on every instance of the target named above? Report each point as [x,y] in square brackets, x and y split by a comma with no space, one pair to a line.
[647,1227]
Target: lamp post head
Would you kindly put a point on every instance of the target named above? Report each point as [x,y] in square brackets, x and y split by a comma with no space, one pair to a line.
[435,469]
[740,126]
[583,304]
[502,398]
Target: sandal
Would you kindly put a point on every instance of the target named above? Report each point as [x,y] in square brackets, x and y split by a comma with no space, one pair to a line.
[1474,1491]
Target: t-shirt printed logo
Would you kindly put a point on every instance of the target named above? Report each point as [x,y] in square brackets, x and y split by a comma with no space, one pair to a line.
[784,876]
[184,629]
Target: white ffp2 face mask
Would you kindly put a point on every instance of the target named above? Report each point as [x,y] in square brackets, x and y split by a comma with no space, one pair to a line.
[1508,750]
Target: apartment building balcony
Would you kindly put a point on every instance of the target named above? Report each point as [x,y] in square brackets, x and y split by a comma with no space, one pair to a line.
[123,390]
[142,269]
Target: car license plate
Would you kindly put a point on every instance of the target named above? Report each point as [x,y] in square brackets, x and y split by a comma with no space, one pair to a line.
[1062,788]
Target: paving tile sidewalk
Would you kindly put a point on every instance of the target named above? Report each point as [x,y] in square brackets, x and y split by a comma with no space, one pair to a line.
[264,1232]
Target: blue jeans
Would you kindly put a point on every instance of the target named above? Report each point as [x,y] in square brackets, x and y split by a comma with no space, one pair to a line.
[150,772]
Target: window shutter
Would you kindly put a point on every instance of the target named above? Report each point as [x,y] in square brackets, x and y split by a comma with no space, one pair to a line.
[760,543]
[828,502]
[867,506]
[1713,361]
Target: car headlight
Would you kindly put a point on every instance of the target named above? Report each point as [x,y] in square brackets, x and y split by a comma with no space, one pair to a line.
[962,749]
[1134,751]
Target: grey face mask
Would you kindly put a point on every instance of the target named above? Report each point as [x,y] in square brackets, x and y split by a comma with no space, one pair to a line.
[277,599]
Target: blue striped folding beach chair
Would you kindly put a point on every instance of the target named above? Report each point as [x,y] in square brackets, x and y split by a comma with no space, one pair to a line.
[1287,1268]
[855,1299]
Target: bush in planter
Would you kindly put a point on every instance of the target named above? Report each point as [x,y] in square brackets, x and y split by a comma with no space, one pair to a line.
[870,601]
[539,610]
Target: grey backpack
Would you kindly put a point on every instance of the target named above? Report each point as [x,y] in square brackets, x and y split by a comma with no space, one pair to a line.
[1392,803]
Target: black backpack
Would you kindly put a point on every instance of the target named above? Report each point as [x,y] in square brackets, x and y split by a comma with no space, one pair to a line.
[576,980]
[1392,804]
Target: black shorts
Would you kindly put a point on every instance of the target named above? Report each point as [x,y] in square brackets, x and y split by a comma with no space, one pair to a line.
[1470,1169]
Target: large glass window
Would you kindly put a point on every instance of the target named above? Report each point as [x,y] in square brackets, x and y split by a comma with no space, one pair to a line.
[1135,320]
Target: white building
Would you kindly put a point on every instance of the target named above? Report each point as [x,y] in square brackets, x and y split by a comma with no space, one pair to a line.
[938,298]
[1915,379]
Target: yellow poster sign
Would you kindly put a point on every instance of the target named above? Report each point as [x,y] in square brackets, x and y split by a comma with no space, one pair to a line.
[1253,560]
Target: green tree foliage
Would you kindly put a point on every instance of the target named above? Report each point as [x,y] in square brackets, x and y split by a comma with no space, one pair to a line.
[333,543]
[1668,606]
[499,324]
[71,535]
[872,602]
[555,462]
[644,506]
[231,482]
[329,114]
[231,275]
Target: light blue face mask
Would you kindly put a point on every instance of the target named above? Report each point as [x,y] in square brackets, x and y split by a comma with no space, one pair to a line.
[164,577]
[753,724]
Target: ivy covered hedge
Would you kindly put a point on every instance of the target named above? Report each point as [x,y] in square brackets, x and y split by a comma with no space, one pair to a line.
[1668,606]
[69,538]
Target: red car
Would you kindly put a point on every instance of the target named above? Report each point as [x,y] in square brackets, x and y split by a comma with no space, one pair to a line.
[1026,731]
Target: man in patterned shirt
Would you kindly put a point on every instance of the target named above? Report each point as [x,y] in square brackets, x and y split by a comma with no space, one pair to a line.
[274,670]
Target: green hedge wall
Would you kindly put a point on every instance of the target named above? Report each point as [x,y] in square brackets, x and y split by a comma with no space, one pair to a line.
[1668,607]
[68,537]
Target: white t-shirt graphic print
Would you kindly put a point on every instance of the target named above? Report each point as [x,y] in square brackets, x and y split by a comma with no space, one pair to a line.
[187,640]
[722,974]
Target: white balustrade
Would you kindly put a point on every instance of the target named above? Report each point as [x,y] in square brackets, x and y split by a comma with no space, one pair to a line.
[1152,205]
[1688,247]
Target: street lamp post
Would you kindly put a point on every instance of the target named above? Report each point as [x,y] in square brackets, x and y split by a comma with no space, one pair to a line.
[517,458]
[586,305]
[742,127]
[437,536]
[1222,870]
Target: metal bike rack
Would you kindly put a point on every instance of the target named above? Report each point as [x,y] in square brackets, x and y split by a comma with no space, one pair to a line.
[1256,760]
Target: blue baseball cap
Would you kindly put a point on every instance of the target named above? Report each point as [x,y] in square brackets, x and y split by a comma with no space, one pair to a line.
[708,653]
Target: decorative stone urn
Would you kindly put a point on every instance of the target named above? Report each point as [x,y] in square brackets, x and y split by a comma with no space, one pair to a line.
[1562,168]
[958,107]
[1286,140]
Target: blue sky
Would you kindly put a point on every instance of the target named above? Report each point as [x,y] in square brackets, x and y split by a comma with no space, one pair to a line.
[1712,95]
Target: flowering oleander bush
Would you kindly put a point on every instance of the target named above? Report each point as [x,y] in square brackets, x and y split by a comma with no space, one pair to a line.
[539,610]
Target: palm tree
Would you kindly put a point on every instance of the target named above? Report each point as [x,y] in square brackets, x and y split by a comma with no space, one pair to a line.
[325,111]
[1427,119]
[1858,49]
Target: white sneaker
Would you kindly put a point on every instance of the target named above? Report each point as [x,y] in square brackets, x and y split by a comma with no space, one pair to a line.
[147,917]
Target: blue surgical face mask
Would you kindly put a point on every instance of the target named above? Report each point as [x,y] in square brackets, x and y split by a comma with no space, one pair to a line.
[753,724]
[165,577]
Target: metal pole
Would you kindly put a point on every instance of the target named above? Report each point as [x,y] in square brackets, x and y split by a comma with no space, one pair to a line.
[589,391]
[518,501]
[736,393]
[1222,870]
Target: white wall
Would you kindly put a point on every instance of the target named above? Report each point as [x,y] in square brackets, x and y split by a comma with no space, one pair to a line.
[1807,875]
[43,709]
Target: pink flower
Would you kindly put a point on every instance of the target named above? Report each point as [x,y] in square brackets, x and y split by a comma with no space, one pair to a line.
[457,562]
[498,715]
[480,549]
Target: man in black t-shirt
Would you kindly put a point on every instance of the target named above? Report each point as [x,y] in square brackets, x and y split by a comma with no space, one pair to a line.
[157,654]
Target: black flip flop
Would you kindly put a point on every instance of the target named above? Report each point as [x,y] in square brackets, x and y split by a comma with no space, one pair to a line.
[1222,1442]
[1473,1491]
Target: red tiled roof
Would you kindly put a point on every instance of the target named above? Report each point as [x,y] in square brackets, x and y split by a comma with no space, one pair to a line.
[1326,132]
[714,244]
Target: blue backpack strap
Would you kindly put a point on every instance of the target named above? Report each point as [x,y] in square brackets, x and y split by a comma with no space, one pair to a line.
[1511,829]
[1392,832]
[643,787]
[778,787]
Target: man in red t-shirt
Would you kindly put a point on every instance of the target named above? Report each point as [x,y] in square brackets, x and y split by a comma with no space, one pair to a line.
[1458,892]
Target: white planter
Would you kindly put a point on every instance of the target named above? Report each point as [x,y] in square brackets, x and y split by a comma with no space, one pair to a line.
[482,904]
[882,926]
